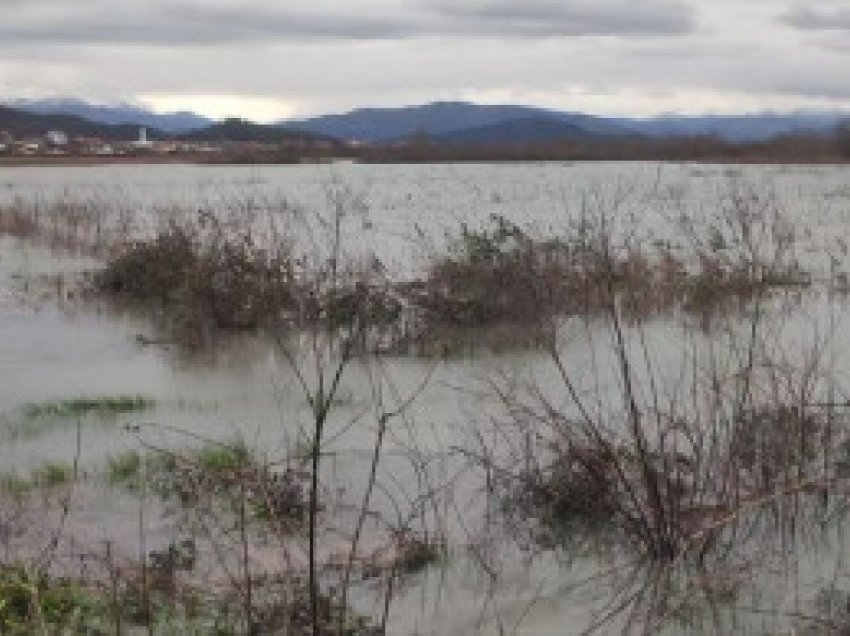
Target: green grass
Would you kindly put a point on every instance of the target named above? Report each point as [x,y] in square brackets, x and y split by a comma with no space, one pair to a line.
[15,485]
[83,406]
[52,474]
[34,603]
[48,475]
[220,458]
[125,469]
[31,603]
[214,459]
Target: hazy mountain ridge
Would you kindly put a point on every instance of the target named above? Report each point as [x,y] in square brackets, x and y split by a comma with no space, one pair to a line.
[21,123]
[747,127]
[442,120]
[448,122]
[521,131]
[234,129]
[114,115]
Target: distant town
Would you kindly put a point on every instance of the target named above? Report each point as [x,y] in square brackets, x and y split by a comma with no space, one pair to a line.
[58,143]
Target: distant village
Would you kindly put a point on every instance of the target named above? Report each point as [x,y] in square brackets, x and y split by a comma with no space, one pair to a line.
[58,143]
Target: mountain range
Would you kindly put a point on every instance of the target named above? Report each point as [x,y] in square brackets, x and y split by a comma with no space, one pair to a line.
[442,122]
[113,115]
[749,127]
[530,130]
[235,129]
[24,123]
[445,120]
[465,122]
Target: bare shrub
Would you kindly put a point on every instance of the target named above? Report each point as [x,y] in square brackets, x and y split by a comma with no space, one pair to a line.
[685,471]
[203,279]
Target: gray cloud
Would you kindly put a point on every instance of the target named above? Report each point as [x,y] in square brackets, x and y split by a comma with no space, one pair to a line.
[808,19]
[609,56]
[185,24]
[583,17]
[189,22]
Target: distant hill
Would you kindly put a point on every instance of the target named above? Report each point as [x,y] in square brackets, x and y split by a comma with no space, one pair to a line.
[24,124]
[444,120]
[115,115]
[440,118]
[752,127]
[521,132]
[233,130]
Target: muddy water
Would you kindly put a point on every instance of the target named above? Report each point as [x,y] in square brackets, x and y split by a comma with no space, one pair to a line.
[246,388]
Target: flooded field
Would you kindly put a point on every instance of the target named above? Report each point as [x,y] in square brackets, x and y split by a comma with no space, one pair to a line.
[421,441]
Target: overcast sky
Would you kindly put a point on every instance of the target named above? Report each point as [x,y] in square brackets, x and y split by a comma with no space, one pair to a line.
[268,59]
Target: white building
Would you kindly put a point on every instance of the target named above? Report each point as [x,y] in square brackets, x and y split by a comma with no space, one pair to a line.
[56,138]
[143,143]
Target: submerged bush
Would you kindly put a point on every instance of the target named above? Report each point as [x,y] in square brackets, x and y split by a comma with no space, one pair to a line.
[221,474]
[675,500]
[770,442]
[578,489]
[17,223]
[499,274]
[201,279]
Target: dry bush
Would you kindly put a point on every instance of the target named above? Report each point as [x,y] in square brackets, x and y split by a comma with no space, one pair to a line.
[18,224]
[202,279]
[501,275]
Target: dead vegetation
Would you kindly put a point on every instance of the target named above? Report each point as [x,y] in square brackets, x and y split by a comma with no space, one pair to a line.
[497,284]
[202,280]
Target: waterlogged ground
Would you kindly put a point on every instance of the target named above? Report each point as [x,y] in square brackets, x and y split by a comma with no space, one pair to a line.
[403,212]
[55,348]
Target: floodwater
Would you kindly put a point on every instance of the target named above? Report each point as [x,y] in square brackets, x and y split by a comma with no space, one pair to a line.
[401,213]
[54,349]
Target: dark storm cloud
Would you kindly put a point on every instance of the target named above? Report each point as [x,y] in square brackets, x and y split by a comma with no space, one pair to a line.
[190,22]
[808,19]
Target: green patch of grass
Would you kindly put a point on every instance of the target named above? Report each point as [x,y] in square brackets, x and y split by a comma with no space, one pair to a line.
[125,469]
[52,474]
[215,460]
[34,603]
[83,406]
[226,475]
[219,458]
[49,475]
[15,485]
